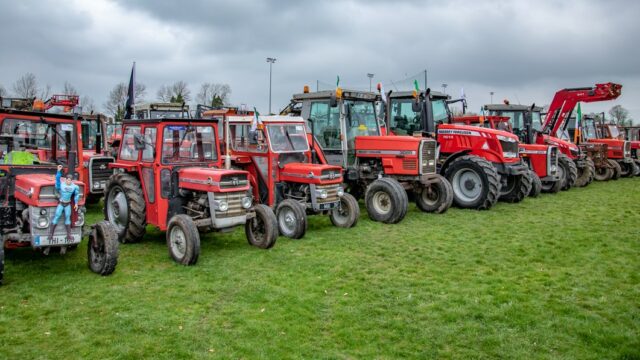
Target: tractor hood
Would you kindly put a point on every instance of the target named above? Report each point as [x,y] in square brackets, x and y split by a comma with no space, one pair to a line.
[399,145]
[212,180]
[566,147]
[39,189]
[311,173]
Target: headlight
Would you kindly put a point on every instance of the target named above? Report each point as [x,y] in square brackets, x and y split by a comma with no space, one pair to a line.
[505,138]
[96,184]
[510,155]
[43,211]
[247,202]
[340,191]
[80,220]
[553,168]
[223,206]
[322,193]
[43,222]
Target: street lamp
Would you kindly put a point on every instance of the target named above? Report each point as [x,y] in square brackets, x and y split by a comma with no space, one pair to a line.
[491,93]
[270,61]
[370,76]
[444,88]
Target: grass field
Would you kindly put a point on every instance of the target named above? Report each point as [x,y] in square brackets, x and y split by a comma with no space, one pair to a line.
[552,277]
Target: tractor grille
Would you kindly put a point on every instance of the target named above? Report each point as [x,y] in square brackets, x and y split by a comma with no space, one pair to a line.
[427,157]
[332,193]
[509,148]
[231,181]
[553,161]
[234,199]
[627,150]
[99,173]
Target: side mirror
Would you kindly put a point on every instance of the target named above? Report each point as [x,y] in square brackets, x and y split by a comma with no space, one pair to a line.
[138,142]
[333,101]
[415,105]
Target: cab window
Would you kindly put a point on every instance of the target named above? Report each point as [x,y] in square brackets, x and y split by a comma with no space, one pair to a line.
[127,147]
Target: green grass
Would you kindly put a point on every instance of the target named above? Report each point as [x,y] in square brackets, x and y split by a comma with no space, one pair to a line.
[553,277]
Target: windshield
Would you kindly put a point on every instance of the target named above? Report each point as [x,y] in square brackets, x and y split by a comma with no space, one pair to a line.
[440,114]
[361,119]
[188,144]
[614,132]
[89,134]
[402,119]
[516,118]
[287,138]
[29,142]
[589,129]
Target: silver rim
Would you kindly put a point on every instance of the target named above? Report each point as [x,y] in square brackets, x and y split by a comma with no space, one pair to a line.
[381,202]
[561,174]
[117,208]
[467,185]
[341,214]
[287,220]
[178,242]
[430,195]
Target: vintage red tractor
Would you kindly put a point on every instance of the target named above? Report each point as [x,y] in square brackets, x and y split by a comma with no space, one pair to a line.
[632,134]
[32,145]
[345,131]
[595,131]
[277,156]
[483,165]
[169,174]
[96,155]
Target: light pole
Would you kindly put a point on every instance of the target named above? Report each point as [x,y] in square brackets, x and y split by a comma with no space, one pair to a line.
[491,93]
[444,88]
[370,76]
[270,61]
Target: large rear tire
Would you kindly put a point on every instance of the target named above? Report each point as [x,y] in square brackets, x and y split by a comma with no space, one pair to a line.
[436,197]
[386,201]
[536,184]
[584,174]
[518,187]
[627,168]
[292,219]
[262,230]
[475,182]
[125,207]
[347,214]
[603,173]
[617,171]
[570,172]
[102,250]
[183,240]
[592,165]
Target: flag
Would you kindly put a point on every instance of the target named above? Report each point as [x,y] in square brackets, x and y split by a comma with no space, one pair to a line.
[256,120]
[578,122]
[128,113]
[416,86]
[338,81]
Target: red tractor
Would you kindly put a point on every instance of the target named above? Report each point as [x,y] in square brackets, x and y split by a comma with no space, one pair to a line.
[632,134]
[168,174]
[277,156]
[33,144]
[555,125]
[345,132]
[483,165]
[96,155]
[619,152]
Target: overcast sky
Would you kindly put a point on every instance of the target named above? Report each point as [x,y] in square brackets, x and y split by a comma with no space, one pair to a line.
[521,50]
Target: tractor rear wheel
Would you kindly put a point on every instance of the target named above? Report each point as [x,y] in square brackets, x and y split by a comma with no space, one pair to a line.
[584,175]
[436,197]
[125,207]
[102,250]
[569,170]
[292,219]
[617,171]
[592,165]
[386,201]
[627,168]
[536,184]
[183,240]
[347,214]
[518,187]
[475,182]
[262,230]
[1,259]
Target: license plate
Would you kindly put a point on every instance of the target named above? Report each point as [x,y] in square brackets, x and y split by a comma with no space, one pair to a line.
[328,206]
[56,240]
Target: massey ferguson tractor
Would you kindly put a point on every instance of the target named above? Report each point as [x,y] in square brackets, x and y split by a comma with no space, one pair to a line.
[168,174]
[96,155]
[483,165]
[345,132]
[277,156]
[594,131]
[32,145]
[557,120]
[632,134]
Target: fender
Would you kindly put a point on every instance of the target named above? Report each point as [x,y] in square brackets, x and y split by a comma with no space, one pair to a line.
[452,157]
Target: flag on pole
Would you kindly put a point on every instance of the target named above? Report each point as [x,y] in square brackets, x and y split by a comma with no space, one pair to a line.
[578,123]
[256,120]
[416,86]
[338,81]
[128,113]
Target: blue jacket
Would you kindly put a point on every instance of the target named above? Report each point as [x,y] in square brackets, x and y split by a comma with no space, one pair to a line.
[67,191]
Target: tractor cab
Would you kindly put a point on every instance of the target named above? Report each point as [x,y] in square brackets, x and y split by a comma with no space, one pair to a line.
[96,154]
[161,111]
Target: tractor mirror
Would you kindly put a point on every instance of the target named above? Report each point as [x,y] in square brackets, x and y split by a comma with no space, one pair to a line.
[138,142]
[415,105]
[333,101]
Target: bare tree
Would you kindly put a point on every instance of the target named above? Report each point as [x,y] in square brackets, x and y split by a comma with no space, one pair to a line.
[118,97]
[69,89]
[26,86]
[3,91]
[620,115]
[177,92]
[45,92]
[88,106]
[214,94]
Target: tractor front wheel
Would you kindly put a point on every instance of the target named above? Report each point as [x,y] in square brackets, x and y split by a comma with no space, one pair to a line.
[347,214]
[475,182]
[603,173]
[436,197]
[627,168]
[183,240]
[292,219]
[584,175]
[262,230]
[102,250]
[617,170]
[518,187]
[536,184]
[569,170]
[125,208]
[386,201]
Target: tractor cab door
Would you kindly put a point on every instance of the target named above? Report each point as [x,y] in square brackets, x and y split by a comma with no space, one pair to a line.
[149,170]
[252,141]
[328,131]
[403,120]
[358,119]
